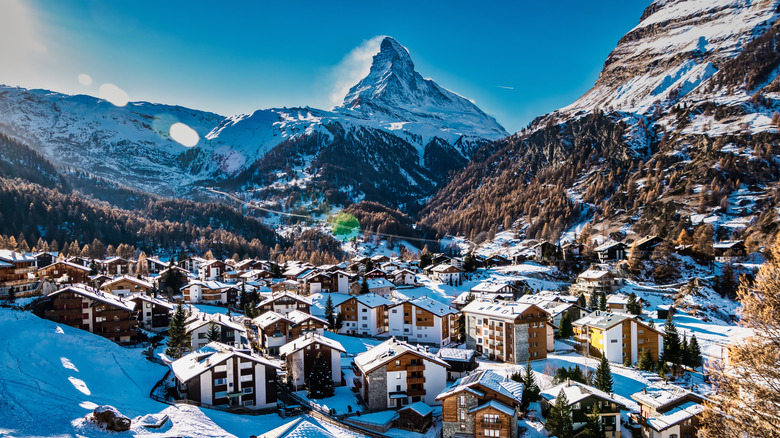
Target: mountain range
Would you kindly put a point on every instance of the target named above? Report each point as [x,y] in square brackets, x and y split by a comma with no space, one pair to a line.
[680,129]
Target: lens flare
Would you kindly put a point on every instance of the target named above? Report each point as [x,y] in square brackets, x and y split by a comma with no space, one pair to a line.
[114,94]
[184,135]
[85,79]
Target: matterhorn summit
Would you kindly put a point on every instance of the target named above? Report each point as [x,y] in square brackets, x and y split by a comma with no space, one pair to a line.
[394,91]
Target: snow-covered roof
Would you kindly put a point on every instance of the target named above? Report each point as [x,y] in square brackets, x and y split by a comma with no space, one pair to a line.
[134,280]
[419,408]
[662,394]
[14,257]
[201,319]
[489,380]
[207,357]
[153,300]
[594,274]
[269,318]
[309,339]
[455,354]
[602,320]
[617,299]
[495,404]
[68,264]
[490,287]
[301,427]
[676,415]
[498,309]
[373,300]
[378,283]
[607,246]
[445,267]
[576,392]
[297,317]
[285,294]
[389,350]
[430,305]
[211,284]
[97,295]
[728,244]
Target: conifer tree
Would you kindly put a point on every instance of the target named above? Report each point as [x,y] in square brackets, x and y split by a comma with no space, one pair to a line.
[694,353]
[320,379]
[566,330]
[559,422]
[633,306]
[364,287]
[593,425]
[671,351]
[593,303]
[329,312]
[604,376]
[213,332]
[603,301]
[645,361]
[339,321]
[179,341]
[530,387]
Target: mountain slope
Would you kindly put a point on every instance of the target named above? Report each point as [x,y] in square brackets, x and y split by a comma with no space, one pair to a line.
[407,133]
[677,131]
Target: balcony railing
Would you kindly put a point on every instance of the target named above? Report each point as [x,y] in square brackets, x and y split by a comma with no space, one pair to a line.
[413,392]
[413,380]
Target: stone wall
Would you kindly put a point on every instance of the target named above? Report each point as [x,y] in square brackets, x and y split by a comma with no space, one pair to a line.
[471,332]
[451,428]
[521,343]
[376,381]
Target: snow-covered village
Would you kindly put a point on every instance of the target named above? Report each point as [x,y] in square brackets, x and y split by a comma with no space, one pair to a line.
[319,235]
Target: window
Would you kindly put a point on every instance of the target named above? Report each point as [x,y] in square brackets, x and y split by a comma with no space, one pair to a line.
[614,341]
[249,403]
[365,318]
[247,390]
[364,310]
[201,336]
[490,418]
[220,394]
[398,363]
[148,305]
[394,311]
[247,378]
[220,369]
[462,400]
[397,375]
[491,432]
[398,387]
[365,325]
[462,415]
[479,321]
[117,328]
[220,381]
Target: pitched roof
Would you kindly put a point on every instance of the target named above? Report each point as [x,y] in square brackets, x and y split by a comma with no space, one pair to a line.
[103,297]
[200,319]
[376,283]
[68,264]
[301,427]
[662,394]
[498,309]
[388,351]
[455,354]
[309,339]
[576,392]
[269,318]
[430,305]
[297,317]
[607,246]
[594,274]
[14,257]
[207,357]
[373,300]
[282,294]
[143,283]
[153,300]
[676,415]
[486,379]
[491,287]
[495,404]
[418,407]
[602,320]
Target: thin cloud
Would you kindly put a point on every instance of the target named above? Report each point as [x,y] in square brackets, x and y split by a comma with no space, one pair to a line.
[352,68]
[24,51]
[505,87]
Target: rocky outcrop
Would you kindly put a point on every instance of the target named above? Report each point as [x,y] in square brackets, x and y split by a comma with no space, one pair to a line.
[109,418]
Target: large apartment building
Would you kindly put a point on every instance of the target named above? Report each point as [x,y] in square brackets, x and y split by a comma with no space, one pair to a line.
[98,312]
[423,320]
[299,355]
[364,314]
[508,331]
[618,336]
[395,373]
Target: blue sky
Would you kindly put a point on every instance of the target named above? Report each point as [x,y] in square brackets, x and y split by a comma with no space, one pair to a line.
[516,60]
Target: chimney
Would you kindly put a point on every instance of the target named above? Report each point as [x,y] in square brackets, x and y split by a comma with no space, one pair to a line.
[568,382]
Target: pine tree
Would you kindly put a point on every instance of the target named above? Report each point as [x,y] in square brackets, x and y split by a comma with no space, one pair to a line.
[593,425]
[671,351]
[179,341]
[531,389]
[369,265]
[593,303]
[747,394]
[339,321]
[684,351]
[329,312]
[559,422]
[604,376]
[603,301]
[213,332]
[633,306]
[645,361]
[694,353]
[566,330]
[364,287]
[320,379]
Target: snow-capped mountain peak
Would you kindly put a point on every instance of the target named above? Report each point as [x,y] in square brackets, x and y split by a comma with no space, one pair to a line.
[393,91]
